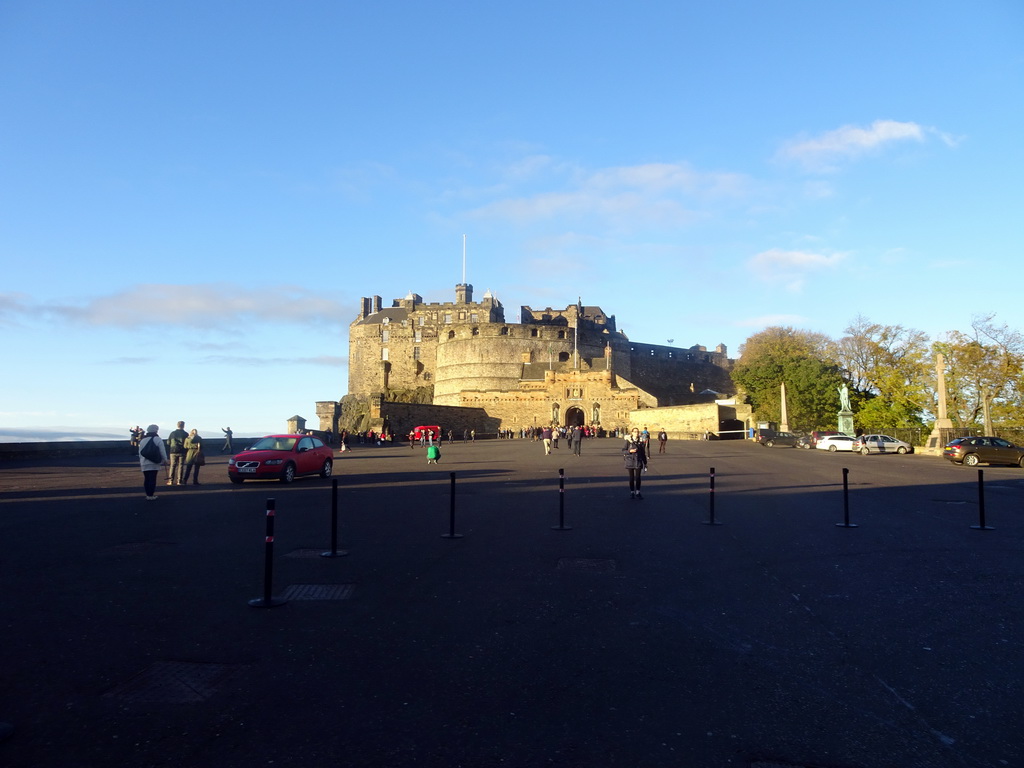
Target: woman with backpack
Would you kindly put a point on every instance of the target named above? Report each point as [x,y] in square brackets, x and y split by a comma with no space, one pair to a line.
[152,456]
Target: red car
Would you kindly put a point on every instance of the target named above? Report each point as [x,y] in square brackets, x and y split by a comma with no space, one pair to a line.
[282,457]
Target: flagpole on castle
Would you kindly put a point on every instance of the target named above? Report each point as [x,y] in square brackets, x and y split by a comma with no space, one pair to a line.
[463,259]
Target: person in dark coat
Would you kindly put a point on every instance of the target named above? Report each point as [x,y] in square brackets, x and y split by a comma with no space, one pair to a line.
[635,458]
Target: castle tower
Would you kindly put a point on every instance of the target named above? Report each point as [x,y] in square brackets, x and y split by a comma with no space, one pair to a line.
[463,293]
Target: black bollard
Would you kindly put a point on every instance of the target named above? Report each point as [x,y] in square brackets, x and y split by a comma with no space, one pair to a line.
[846,502]
[981,504]
[335,552]
[561,504]
[711,502]
[267,601]
[451,529]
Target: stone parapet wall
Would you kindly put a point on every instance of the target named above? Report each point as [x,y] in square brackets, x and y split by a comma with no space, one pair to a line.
[689,422]
[402,417]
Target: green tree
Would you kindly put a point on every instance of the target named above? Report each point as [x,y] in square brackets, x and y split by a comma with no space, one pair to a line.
[984,373]
[802,360]
[890,367]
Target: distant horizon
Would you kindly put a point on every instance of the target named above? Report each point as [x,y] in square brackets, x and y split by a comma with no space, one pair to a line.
[86,434]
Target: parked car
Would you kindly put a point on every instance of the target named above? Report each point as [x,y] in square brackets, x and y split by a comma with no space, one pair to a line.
[992,450]
[770,439]
[812,439]
[282,457]
[866,444]
[834,443]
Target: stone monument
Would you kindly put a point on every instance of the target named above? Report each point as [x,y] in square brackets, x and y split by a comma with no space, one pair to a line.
[784,416]
[942,420]
[845,412]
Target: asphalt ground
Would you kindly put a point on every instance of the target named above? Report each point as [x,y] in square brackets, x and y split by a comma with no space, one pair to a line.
[638,636]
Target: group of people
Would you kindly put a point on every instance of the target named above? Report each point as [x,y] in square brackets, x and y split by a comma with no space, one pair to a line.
[550,436]
[181,454]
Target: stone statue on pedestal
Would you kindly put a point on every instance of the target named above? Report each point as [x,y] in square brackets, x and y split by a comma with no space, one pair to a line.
[845,411]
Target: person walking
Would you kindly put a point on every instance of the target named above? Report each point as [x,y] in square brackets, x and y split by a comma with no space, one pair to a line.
[577,438]
[194,457]
[645,435]
[176,449]
[662,439]
[635,458]
[545,436]
[152,456]
[227,440]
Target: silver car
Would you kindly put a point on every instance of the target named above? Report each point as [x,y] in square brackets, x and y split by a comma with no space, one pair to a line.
[866,444]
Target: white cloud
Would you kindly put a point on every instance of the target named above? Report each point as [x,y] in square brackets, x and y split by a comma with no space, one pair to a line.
[824,152]
[790,268]
[196,306]
[661,194]
[767,321]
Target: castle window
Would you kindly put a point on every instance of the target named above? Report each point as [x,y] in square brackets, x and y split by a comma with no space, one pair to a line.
[476,331]
[561,334]
[384,353]
[447,317]
[451,334]
[533,332]
[415,353]
[563,357]
[504,331]
[474,317]
[385,335]
[462,315]
[427,376]
[417,336]
[421,320]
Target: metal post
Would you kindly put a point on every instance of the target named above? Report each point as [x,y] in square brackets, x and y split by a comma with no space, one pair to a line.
[335,552]
[267,601]
[711,502]
[561,504]
[451,530]
[981,504]
[846,502]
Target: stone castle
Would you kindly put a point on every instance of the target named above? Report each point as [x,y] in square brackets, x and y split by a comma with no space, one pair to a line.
[462,365]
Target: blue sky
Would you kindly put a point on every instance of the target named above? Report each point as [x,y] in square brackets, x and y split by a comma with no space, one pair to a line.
[195,195]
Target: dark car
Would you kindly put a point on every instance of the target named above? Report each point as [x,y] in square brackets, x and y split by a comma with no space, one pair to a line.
[771,439]
[282,457]
[991,450]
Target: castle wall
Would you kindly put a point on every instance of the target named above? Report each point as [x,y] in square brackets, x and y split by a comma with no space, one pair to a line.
[464,354]
[689,422]
[400,418]
[491,357]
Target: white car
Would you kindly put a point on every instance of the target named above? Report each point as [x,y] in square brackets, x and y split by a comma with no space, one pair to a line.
[835,443]
[866,444]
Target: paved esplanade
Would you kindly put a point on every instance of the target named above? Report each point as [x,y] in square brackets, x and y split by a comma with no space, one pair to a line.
[640,637]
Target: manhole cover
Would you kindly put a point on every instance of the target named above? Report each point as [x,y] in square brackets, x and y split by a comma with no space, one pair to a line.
[319,592]
[174,682]
[585,564]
